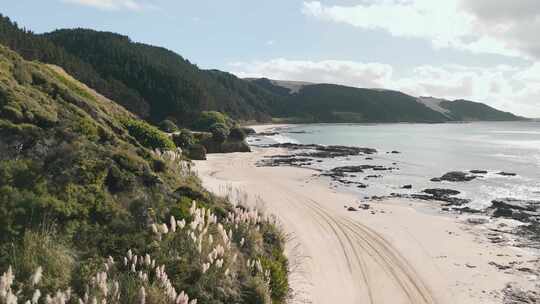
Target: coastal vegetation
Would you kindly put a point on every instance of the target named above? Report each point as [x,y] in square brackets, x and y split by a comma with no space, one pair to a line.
[99,206]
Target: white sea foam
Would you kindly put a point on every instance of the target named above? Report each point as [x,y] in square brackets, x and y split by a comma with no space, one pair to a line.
[517,132]
[282,139]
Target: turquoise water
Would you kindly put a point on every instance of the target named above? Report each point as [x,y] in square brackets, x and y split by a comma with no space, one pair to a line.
[430,150]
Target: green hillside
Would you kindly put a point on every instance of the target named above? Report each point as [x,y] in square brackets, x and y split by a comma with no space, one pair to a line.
[465,110]
[82,187]
[334,103]
[171,86]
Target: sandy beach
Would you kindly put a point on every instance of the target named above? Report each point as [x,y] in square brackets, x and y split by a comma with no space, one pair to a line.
[397,251]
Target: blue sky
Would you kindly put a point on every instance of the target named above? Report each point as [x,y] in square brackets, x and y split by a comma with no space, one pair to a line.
[486,50]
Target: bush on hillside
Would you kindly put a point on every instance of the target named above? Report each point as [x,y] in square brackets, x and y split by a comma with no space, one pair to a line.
[184,139]
[168,126]
[219,132]
[209,118]
[147,135]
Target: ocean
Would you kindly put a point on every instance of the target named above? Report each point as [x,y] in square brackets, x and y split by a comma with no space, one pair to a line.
[431,150]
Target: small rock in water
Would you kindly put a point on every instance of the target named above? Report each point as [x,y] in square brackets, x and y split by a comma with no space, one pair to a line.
[351,209]
[506,173]
[406,187]
[478,171]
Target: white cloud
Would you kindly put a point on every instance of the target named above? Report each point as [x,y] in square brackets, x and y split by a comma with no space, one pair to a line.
[134,5]
[505,87]
[330,71]
[480,26]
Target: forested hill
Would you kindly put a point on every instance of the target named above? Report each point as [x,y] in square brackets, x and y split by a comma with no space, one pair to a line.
[170,85]
[158,84]
[336,103]
[152,82]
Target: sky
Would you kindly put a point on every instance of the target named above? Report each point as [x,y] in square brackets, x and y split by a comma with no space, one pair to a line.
[481,50]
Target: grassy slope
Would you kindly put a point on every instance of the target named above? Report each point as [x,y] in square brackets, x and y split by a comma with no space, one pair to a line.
[465,110]
[76,185]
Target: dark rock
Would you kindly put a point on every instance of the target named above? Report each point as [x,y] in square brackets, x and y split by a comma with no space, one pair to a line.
[351,209]
[372,176]
[284,160]
[478,171]
[443,195]
[406,187]
[230,146]
[325,151]
[363,186]
[436,179]
[527,211]
[499,266]
[369,158]
[267,133]
[395,152]
[456,176]
[506,174]
[438,192]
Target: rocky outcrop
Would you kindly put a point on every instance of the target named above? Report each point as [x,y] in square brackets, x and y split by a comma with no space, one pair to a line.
[522,210]
[321,151]
[438,192]
[227,146]
[437,195]
[455,176]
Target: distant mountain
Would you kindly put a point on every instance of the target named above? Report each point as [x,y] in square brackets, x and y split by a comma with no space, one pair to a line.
[336,103]
[465,110]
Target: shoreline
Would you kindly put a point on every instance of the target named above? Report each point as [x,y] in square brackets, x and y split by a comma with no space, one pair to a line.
[339,256]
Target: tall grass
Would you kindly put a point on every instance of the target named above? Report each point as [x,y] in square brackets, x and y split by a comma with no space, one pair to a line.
[207,255]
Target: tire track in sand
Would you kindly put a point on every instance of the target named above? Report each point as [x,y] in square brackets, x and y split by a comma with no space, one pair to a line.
[382,252]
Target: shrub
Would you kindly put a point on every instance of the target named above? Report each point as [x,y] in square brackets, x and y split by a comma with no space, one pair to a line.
[168,126]
[209,118]
[118,180]
[197,152]
[160,165]
[237,134]
[184,139]
[219,132]
[147,135]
